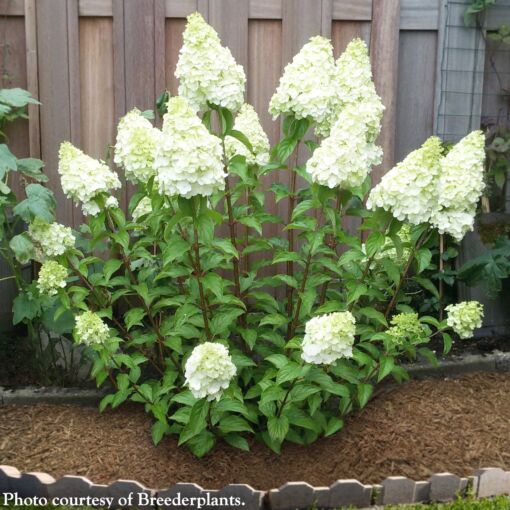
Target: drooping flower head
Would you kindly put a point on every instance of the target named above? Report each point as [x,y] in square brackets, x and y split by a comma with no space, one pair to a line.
[248,123]
[406,328]
[306,88]
[344,158]
[209,370]
[84,178]
[90,329]
[328,338]
[409,190]
[465,317]
[188,158]
[207,71]
[52,277]
[460,186]
[354,86]
[136,143]
[50,239]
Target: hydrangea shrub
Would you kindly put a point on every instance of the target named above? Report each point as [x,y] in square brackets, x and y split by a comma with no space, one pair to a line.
[221,331]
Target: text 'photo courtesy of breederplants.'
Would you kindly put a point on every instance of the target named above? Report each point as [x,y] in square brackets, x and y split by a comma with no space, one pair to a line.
[222,332]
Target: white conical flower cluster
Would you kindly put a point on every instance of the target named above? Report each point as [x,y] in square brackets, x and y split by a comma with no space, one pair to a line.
[307,88]
[465,317]
[429,188]
[91,329]
[409,190]
[50,239]
[52,277]
[135,146]
[84,178]
[188,159]
[353,85]
[209,370]
[344,158]
[207,71]
[460,186]
[328,338]
[248,123]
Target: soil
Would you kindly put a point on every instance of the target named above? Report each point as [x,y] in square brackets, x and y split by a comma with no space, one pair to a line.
[481,345]
[414,430]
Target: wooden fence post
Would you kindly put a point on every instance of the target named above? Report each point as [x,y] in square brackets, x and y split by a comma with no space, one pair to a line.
[384,54]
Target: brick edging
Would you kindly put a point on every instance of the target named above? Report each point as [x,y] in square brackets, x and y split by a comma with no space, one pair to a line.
[484,483]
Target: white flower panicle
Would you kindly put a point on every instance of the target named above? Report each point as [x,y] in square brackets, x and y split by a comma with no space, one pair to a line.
[188,158]
[142,208]
[136,143]
[248,123]
[465,317]
[460,185]
[306,88]
[209,370]
[111,203]
[90,329]
[52,277]
[84,178]
[354,86]
[207,71]
[409,189]
[328,338]
[344,158]
[51,239]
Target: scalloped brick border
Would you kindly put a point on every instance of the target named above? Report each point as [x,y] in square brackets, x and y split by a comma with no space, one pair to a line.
[484,483]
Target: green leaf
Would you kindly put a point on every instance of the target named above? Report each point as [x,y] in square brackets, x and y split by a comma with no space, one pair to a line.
[202,443]
[447,343]
[31,167]
[242,138]
[110,267]
[278,426]
[22,247]
[234,423]
[25,306]
[17,97]
[372,313]
[285,148]
[197,421]
[423,258]
[374,242]
[134,317]
[386,364]
[40,203]
[288,372]
[274,319]
[334,425]
[158,430]
[364,393]
[213,283]
[237,441]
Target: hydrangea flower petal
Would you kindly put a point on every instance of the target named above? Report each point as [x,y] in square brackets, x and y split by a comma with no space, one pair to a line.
[209,370]
[207,71]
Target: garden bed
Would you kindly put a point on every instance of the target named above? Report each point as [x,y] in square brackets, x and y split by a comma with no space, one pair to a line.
[415,430]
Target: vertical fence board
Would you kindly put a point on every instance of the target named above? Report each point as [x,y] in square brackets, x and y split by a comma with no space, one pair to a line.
[53,42]
[174,27]
[17,137]
[97,95]
[343,32]
[32,76]
[384,55]
[415,99]
[230,19]
[264,70]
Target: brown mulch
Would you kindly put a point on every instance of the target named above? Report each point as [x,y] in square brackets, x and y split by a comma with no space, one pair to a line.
[416,429]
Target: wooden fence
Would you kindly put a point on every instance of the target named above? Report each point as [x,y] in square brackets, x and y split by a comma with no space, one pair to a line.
[89,61]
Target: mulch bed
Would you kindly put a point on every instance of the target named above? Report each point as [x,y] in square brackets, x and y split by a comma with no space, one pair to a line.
[416,429]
